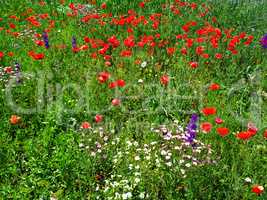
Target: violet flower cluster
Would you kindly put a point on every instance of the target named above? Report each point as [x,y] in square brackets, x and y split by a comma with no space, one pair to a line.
[191,129]
[74,42]
[45,38]
[264,41]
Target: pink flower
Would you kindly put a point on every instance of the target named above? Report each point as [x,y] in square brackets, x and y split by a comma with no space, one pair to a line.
[116,102]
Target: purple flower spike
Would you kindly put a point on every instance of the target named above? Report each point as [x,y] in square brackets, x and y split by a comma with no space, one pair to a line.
[264,41]
[45,38]
[74,42]
[191,129]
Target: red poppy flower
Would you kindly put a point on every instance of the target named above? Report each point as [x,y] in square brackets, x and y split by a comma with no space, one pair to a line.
[103,5]
[209,111]
[14,119]
[218,55]
[86,39]
[12,26]
[200,50]
[108,63]
[184,51]
[265,134]
[114,41]
[170,51]
[102,51]
[129,41]
[84,47]
[39,42]
[164,80]
[107,57]
[214,86]
[252,129]
[36,56]
[218,120]
[120,83]
[85,125]
[206,127]
[193,64]
[1,54]
[112,85]
[126,53]
[103,77]
[157,35]
[142,4]
[116,102]
[179,36]
[10,54]
[98,118]
[245,135]
[257,189]
[223,131]
[205,55]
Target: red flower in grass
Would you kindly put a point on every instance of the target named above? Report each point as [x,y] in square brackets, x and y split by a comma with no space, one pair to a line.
[116,102]
[142,4]
[170,51]
[214,86]
[38,56]
[184,51]
[265,134]
[1,54]
[126,53]
[120,83]
[199,50]
[164,80]
[244,135]
[84,47]
[14,120]
[257,189]
[193,64]
[112,85]
[39,42]
[98,118]
[103,77]
[209,111]
[218,120]
[103,5]
[206,127]
[252,129]
[11,54]
[223,131]
[129,41]
[85,125]
[218,56]
[114,41]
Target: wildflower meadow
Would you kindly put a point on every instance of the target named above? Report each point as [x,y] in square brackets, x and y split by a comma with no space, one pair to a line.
[133,99]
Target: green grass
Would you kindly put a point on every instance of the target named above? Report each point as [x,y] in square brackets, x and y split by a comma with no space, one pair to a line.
[42,157]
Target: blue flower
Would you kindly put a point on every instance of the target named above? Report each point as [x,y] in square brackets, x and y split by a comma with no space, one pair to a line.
[74,42]
[264,41]
[45,38]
